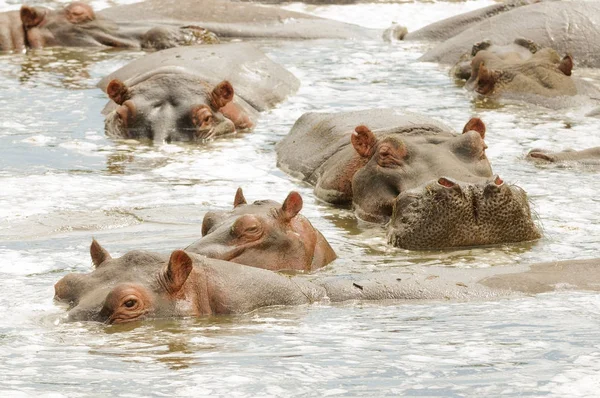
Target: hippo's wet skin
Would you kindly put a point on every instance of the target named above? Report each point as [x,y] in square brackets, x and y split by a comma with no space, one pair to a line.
[77,25]
[405,170]
[589,156]
[141,285]
[264,234]
[193,93]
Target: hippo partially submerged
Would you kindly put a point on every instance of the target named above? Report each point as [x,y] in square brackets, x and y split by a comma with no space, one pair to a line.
[77,25]
[194,93]
[403,171]
[589,156]
[141,285]
[264,234]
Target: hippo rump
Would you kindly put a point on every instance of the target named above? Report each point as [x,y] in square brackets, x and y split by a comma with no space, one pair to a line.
[144,285]
[434,188]
[565,26]
[231,19]
[264,234]
[193,93]
[589,156]
[77,25]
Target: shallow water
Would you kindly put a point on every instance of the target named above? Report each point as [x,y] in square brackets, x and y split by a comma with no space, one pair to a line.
[62,182]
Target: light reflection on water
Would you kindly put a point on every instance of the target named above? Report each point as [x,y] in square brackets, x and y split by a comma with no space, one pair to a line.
[64,182]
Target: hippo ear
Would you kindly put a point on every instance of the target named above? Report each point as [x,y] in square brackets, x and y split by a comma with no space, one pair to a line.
[566,65]
[239,198]
[179,268]
[291,206]
[79,13]
[475,124]
[222,94]
[98,253]
[363,140]
[32,16]
[486,79]
[117,91]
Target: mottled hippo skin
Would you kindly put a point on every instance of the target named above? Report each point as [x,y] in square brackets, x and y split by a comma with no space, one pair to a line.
[142,285]
[568,27]
[76,25]
[590,156]
[404,170]
[194,93]
[230,19]
[264,234]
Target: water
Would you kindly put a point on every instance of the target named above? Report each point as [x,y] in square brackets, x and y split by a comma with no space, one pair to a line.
[62,183]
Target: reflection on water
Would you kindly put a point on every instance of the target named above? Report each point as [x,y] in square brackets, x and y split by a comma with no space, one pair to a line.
[62,182]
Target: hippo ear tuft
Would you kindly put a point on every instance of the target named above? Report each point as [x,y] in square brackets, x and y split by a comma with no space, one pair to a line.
[239,198]
[475,124]
[32,16]
[98,253]
[179,268]
[486,79]
[222,94]
[291,206]
[117,91]
[363,141]
[566,65]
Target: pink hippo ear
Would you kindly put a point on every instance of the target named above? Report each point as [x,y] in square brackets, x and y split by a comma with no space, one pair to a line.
[79,13]
[566,65]
[98,253]
[222,94]
[32,16]
[486,79]
[475,124]
[239,198]
[291,206]
[117,91]
[179,268]
[363,141]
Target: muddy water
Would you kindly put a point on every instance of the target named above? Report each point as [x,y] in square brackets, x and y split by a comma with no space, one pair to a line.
[62,182]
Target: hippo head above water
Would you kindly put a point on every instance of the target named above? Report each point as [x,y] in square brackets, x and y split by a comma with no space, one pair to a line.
[264,234]
[77,25]
[173,107]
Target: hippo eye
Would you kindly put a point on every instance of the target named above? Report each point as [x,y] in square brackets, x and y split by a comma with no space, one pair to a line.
[130,303]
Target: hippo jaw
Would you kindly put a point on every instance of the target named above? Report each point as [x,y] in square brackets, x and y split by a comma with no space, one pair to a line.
[445,214]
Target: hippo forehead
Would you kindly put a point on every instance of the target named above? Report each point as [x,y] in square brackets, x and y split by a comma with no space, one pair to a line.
[264,209]
[176,89]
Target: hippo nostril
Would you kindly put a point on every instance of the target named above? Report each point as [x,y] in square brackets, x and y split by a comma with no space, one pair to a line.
[446,182]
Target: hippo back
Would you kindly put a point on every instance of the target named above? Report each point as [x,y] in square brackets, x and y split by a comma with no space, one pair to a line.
[316,137]
[255,78]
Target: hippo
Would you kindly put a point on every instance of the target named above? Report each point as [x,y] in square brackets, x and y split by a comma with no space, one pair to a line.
[565,26]
[143,285]
[236,20]
[589,156]
[77,25]
[402,171]
[264,234]
[193,93]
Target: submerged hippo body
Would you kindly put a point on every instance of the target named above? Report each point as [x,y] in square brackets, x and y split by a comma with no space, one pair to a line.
[590,156]
[141,285]
[77,25]
[400,170]
[194,93]
[264,234]
[565,26]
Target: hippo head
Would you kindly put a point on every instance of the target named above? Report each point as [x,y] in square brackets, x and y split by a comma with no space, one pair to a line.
[447,213]
[264,234]
[173,107]
[395,164]
[135,286]
[76,25]
[543,74]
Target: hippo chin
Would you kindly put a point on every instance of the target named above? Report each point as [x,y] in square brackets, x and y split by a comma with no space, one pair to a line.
[376,170]
[143,285]
[264,234]
[77,25]
[188,94]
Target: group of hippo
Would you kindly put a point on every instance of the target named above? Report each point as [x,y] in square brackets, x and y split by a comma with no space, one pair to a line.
[433,188]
